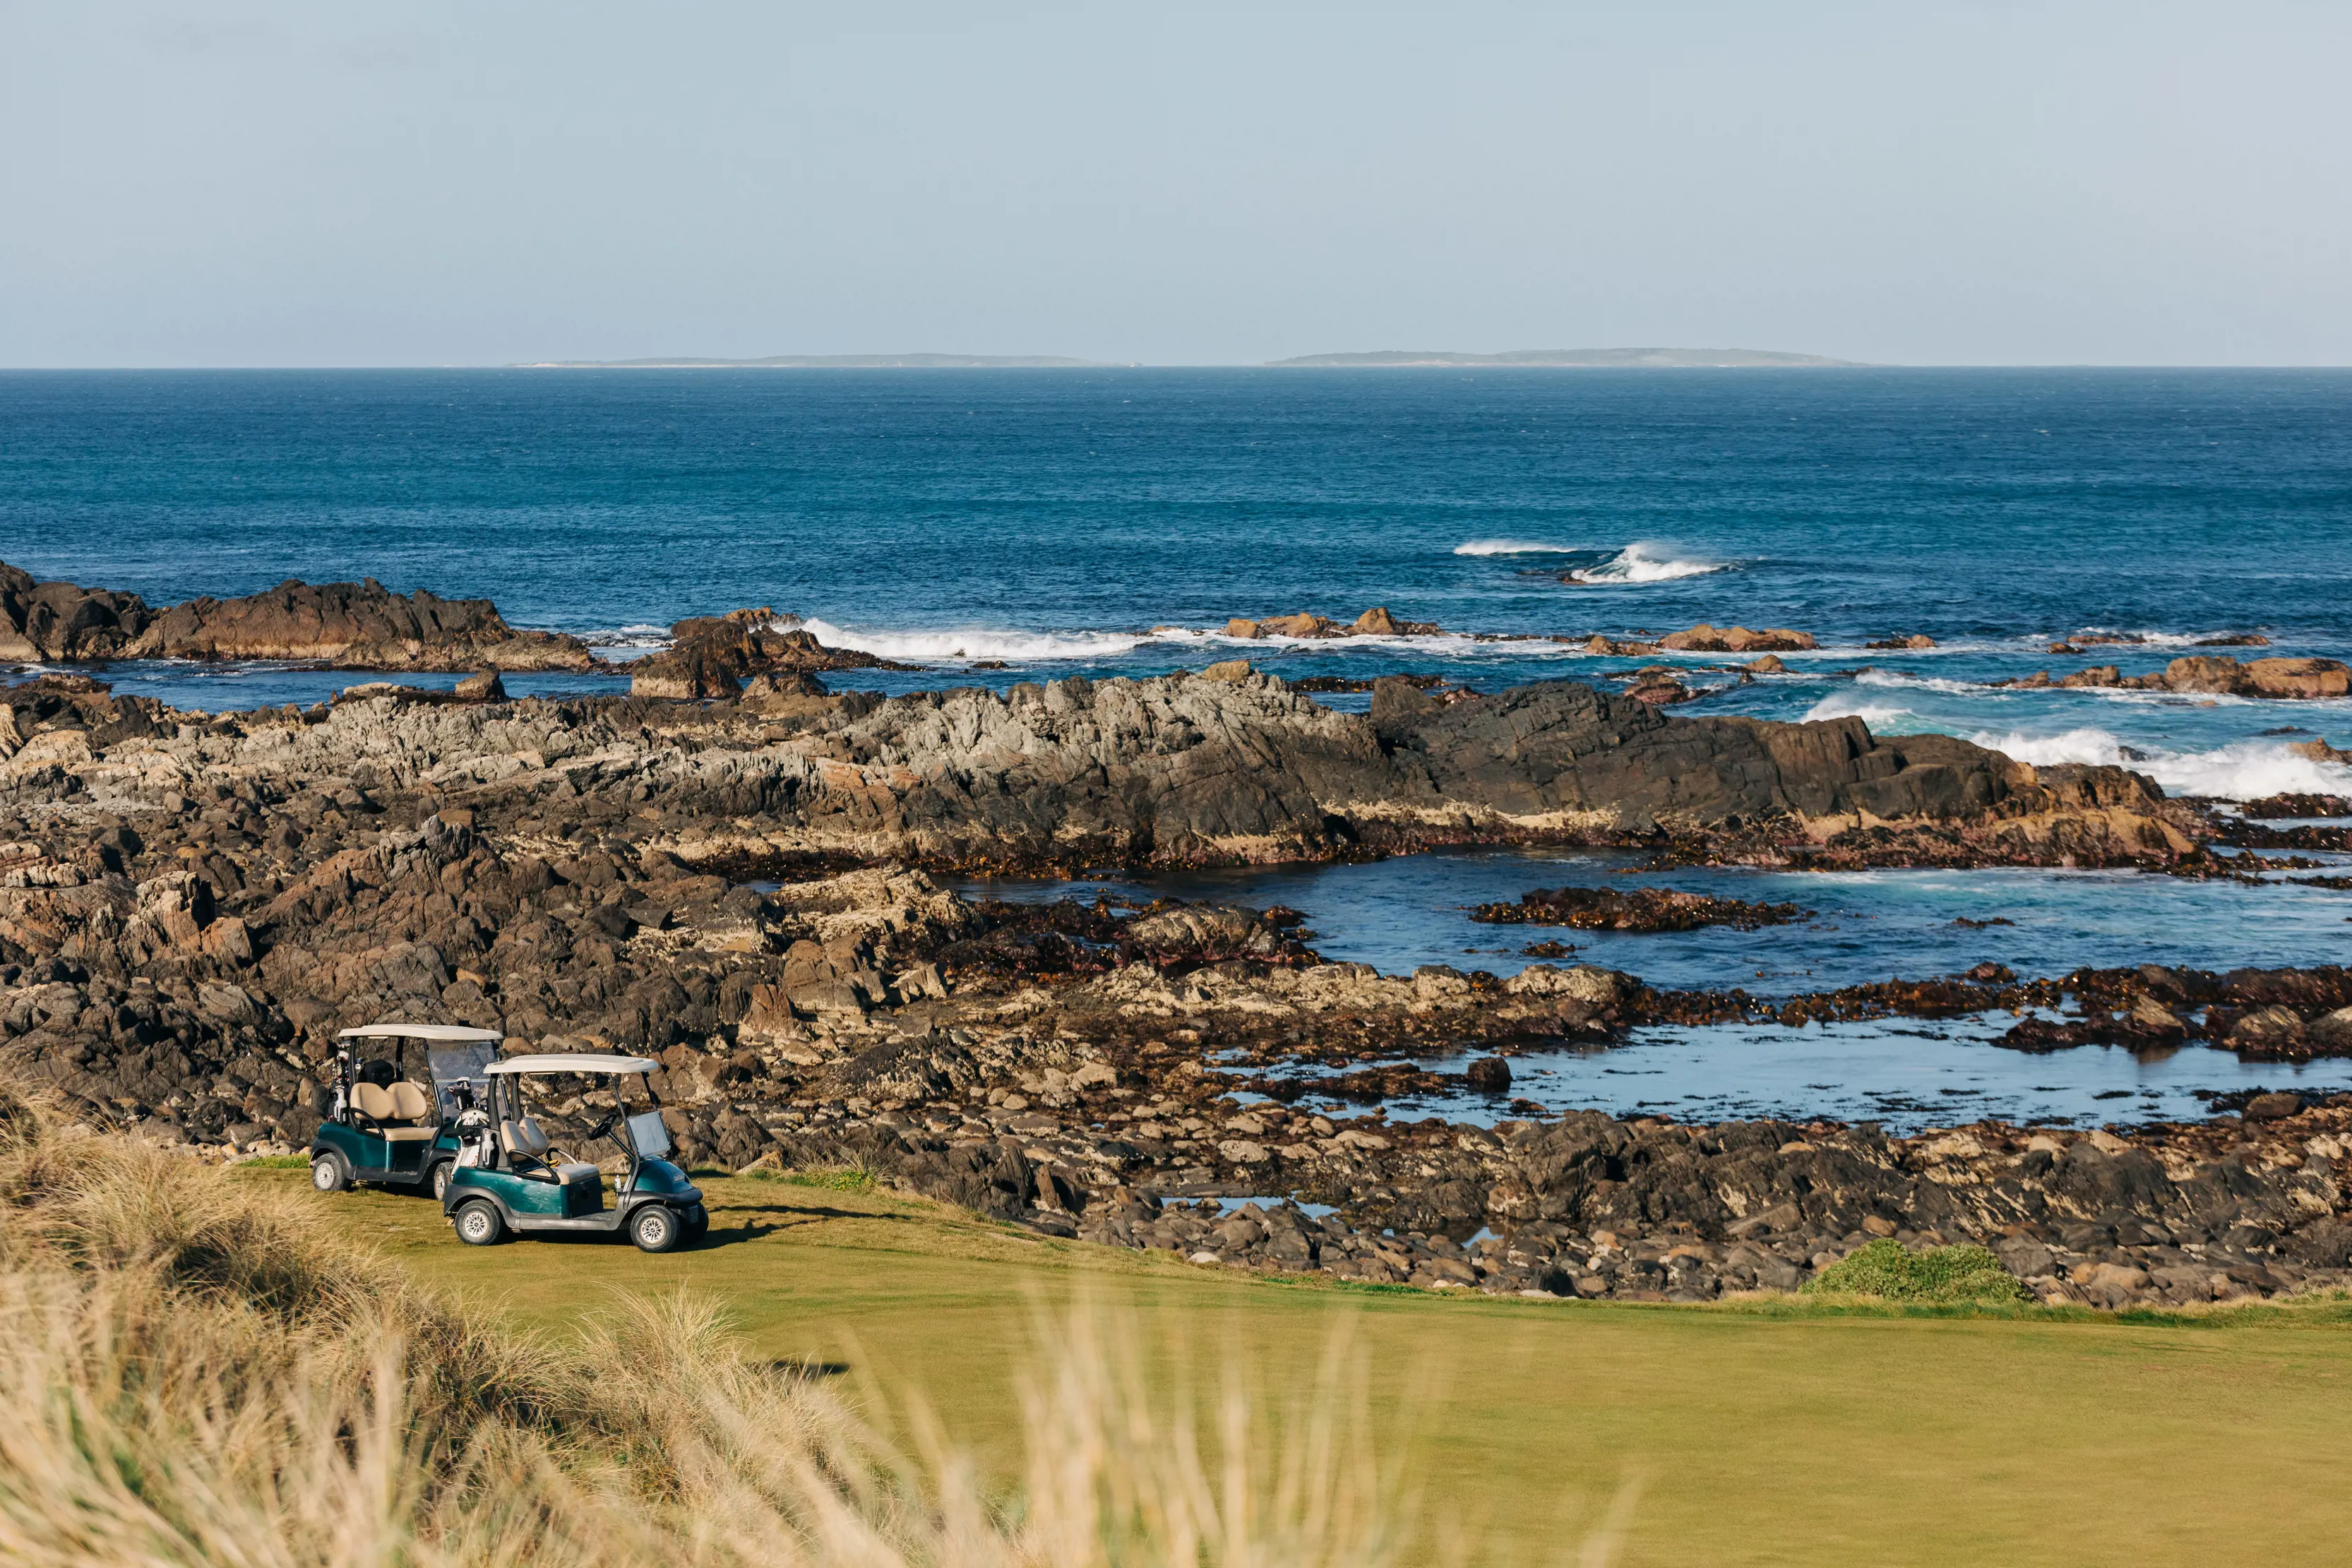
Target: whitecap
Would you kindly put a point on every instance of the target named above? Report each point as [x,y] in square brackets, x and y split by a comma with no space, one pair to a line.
[977,643]
[1641,562]
[1513,547]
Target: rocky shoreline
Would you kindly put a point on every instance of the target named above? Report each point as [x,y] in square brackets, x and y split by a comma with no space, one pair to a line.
[189,904]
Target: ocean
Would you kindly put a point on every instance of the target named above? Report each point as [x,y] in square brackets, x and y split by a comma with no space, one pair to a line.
[1050,520]
[1001,526]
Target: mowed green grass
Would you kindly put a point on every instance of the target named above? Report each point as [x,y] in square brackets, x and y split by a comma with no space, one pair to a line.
[1759,1434]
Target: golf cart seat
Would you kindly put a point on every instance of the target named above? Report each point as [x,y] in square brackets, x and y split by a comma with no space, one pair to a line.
[528,1147]
[396,1111]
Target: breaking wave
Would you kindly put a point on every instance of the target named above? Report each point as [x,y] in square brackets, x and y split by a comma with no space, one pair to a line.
[2243,771]
[977,643]
[1883,718]
[1640,563]
[1513,547]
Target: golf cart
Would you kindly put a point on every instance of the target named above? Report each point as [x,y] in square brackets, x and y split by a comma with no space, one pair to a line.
[510,1180]
[385,1127]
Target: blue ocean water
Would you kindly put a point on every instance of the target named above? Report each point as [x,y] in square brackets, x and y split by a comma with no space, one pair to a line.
[1003,525]
[1050,520]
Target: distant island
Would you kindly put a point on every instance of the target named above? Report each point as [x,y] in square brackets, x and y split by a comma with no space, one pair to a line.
[1658,358]
[832,362]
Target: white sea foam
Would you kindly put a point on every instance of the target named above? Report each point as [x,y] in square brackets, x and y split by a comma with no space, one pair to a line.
[632,636]
[2243,771]
[1885,717]
[2146,639]
[978,643]
[1513,547]
[1896,678]
[1643,563]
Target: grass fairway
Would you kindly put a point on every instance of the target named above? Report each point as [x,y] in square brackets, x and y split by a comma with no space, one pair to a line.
[1765,1434]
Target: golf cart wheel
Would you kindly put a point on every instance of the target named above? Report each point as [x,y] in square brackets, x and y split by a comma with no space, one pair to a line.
[655,1228]
[329,1173]
[479,1223]
[440,1179]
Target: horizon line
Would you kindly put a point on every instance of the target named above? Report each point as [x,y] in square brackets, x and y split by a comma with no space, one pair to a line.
[1165,365]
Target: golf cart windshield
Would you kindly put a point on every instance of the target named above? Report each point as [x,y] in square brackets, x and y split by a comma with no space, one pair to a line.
[648,1135]
[461,1065]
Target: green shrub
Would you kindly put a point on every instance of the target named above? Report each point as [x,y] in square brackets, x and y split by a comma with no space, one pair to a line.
[1888,1269]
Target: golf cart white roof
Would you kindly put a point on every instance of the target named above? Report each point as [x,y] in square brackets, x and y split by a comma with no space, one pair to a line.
[444,1032]
[574,1062]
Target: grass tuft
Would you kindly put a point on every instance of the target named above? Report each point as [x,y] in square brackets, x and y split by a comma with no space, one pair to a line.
[1891,1271]
[195,1369]
[832,1178]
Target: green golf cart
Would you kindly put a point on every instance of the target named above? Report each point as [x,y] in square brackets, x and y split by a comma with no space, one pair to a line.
[510,1180]
[385,1127]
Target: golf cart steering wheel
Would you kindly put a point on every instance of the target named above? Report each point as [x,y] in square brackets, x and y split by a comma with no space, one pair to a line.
[604,1127]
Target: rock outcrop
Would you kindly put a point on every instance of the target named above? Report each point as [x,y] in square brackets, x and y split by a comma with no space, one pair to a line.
[348,625]
[713,655]
[1374,622]
[1705,639]
[2215,675]
[1634,909]
[1172,770]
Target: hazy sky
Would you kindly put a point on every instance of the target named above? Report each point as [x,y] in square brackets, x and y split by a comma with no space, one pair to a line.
[478,182]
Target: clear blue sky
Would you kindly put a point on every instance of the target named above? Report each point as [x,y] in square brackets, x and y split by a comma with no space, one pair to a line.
[238,184]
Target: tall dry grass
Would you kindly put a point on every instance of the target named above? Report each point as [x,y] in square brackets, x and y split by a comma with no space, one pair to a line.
[193,1370]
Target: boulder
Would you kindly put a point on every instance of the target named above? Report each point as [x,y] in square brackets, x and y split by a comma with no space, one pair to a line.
[2221,674]
[1228,670]
[1300,625]
[482,686]
[2268,1029]
[1488,1075]
[711,656]
[2299,677]
[1660,686]
[2332,1031]
[1705,639]
[61,621]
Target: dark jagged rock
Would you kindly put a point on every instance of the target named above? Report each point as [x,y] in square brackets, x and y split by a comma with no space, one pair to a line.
[1177,769]
[1563,752]
[712,655]
[1636,909]
[349,625]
